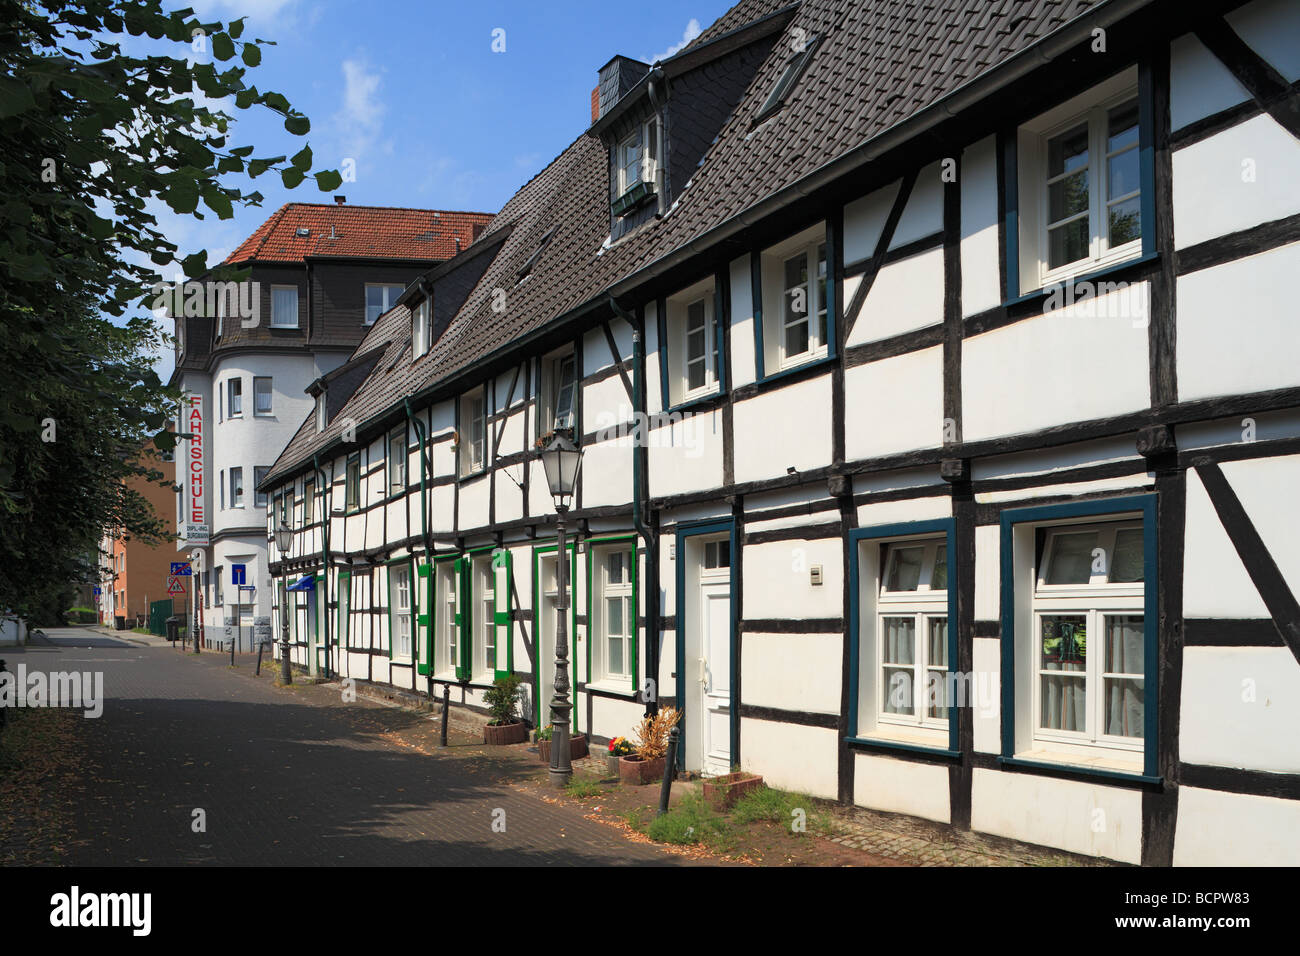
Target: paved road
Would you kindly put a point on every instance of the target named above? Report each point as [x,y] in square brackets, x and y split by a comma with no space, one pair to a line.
[286,777]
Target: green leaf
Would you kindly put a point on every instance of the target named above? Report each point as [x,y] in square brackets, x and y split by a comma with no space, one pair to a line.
[292,176]
[195,264]
[15,97]
[302,159]
[251,55]
[236,28]
[223,48]
[297,124]
[328,180]
[218,202]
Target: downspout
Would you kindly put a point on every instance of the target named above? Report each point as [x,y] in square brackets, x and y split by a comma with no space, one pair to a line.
[326,518]
[418,426]
[639,444]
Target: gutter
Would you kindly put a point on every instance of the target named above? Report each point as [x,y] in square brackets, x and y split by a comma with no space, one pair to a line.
[425,468]
[324,557]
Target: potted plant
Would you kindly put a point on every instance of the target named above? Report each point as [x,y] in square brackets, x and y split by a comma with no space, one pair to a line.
[723,792]
[577,744]
[502,699]
[619,748]
[646,763]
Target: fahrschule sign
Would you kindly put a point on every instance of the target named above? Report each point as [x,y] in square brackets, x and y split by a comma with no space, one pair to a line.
[194,526]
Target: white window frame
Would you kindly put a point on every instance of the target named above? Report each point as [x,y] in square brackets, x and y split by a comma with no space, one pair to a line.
[397,463]
[259,496]
[283,324]
[484,597]
[645,164]
[321,420]
[390,293]
[447,597]
[812,244]
[923,605]
[1090,107]
[221,311]
[420,329]
[235,396]
[473,420]
[1094,601]
[553,386]
[402,616]
[237,500]
[712,553]
[608,589]
[270,395]
[678,308]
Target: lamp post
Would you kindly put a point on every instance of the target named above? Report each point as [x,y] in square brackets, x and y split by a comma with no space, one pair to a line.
[561,458]
[283,542]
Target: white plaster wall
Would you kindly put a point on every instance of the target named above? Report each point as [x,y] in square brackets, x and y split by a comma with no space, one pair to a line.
[1272,29]
[894,404]
[607,473]
[988,572]
[474,503]
[906,295]
[986,713]
[686,455]
[863,221]
[1049,460]
[924,213]
[741,340]
[1211,195]
[605,405]
[1059,813]
[1215,584]
[1240,708]
[980,281]
[793,671]
[1230,431]
[1072,364]
[902,786]
[785,427]
[1124,484]
[1199,84]
[790,756]
[612,718]
[914,509]
[1234,829]
[1267,489]
[510,500]
[777,576]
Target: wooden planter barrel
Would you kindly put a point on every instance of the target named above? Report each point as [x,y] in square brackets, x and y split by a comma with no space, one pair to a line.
[633,770]
[515,733]
[577,748]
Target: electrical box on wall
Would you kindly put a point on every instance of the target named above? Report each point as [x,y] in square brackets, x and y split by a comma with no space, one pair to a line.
[815,575]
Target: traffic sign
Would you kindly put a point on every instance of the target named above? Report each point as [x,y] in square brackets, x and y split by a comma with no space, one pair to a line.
[180,569]
[98,592]
[175,584]
[237,574]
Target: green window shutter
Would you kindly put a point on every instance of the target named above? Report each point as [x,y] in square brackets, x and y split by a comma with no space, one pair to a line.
[424,622]
[345,609]
[388,585]
[463,617]
[503,571]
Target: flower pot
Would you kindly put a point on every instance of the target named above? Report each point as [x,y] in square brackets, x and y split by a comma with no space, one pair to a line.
[633,770]
[515,733]
[723,792]
[577,748]
[611,761]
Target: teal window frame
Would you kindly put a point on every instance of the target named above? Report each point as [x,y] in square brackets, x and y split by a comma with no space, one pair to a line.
[634,643]
[1145,505]
[834,269]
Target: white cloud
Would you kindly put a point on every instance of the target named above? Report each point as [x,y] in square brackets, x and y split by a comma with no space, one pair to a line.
[359,123]
[259,11]
[690,33]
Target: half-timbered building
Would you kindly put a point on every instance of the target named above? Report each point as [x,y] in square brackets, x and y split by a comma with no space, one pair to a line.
[935,372]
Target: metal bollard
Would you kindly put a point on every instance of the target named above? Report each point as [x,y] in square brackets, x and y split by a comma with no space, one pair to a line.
[446,708]
[670,770]
[4,669]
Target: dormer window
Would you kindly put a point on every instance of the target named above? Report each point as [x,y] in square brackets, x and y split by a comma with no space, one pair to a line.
[379,299]
[636,167]
[420,330]
[531,261]
[802,50]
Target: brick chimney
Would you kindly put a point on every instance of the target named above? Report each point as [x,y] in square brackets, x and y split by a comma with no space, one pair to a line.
[595,103]
[340,200]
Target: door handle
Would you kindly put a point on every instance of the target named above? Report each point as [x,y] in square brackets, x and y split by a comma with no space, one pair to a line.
[704,672]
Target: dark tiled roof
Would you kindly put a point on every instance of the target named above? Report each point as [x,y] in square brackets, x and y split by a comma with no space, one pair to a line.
[877,64]
[368,232]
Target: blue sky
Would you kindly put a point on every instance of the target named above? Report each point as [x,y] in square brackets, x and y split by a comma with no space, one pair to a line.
[414,93]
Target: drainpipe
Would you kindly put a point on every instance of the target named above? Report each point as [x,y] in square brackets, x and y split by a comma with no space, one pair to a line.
[418,426]
[326,518]
[642,428]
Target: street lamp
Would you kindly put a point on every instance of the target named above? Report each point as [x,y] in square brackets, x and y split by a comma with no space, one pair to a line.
[561,459]
[283,542]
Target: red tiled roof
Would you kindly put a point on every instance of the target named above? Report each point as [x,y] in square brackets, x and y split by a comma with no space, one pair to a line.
[370,232]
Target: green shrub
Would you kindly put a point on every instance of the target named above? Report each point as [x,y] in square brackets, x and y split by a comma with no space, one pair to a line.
[779,806]
[502,699]
[692,820]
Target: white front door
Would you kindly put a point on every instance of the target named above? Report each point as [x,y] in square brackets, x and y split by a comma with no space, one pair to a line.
[714,717]
[546,640]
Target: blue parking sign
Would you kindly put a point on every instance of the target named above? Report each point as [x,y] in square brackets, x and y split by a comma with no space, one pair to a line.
[237,574]
[181,568]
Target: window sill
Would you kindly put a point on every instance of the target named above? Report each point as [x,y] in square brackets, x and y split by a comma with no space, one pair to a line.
[907,745]
[1103,766]
[1099,272]
[791,370]
[622,687]
[694,402]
